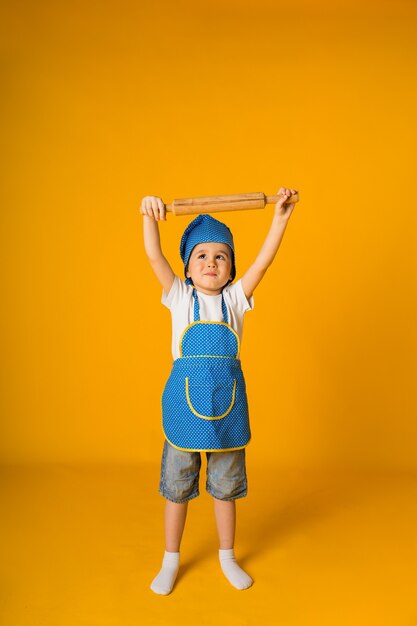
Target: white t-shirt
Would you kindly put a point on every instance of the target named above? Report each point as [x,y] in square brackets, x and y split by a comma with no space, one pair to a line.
[180,302]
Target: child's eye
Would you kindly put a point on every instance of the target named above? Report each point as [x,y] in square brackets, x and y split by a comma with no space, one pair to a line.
[203,255]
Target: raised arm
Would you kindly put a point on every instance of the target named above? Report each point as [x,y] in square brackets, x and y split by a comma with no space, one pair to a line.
[256,271]
[153,209]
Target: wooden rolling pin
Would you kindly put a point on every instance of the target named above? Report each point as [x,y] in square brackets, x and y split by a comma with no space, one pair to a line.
[231,202]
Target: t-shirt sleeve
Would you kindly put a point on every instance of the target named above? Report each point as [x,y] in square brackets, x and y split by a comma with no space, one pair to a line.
[238,298]
[176,295]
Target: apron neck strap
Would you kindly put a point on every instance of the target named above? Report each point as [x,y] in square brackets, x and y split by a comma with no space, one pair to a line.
[197,308]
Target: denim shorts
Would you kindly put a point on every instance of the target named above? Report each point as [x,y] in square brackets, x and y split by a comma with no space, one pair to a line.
[180,471]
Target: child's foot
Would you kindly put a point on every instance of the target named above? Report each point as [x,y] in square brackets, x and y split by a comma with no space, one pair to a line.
[234,574]
[164,581]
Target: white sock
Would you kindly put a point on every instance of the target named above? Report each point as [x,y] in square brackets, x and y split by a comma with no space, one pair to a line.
[164,581]
[235,574]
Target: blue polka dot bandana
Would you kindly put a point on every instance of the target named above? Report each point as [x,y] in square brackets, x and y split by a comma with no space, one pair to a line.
[205,228]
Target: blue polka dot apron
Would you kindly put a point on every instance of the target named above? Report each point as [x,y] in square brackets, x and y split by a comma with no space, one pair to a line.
[204,402]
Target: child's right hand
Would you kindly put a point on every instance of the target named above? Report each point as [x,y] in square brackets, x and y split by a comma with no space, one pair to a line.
[153,207]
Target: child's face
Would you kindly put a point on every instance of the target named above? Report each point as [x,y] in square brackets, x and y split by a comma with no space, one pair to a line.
[210,267]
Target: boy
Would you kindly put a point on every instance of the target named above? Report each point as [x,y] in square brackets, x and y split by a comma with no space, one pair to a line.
[204,403]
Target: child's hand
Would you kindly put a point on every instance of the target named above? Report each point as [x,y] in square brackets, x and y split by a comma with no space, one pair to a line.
[153,207]
[283,211]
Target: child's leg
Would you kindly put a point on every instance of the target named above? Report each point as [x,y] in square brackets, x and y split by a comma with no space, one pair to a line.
[178,484]
[227,481]
[175,516]
[225,513]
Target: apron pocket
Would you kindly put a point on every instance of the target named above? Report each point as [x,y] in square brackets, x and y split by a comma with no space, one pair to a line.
[210,401]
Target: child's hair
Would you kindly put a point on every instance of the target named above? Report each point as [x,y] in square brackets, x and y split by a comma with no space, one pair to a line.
[204,229]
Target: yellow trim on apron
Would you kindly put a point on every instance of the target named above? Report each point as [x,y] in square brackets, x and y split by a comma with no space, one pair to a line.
[208,417]
[204,450]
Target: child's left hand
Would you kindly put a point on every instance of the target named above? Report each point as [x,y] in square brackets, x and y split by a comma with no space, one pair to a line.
[282,210]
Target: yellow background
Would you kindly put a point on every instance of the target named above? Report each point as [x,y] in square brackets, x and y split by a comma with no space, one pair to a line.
[106,102]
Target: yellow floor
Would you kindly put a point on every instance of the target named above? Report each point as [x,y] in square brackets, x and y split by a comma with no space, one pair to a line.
[80,546]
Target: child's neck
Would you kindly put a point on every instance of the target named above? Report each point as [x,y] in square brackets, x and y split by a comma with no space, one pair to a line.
[209,293]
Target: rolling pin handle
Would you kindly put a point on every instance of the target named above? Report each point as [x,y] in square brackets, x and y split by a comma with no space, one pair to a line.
[274,199]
